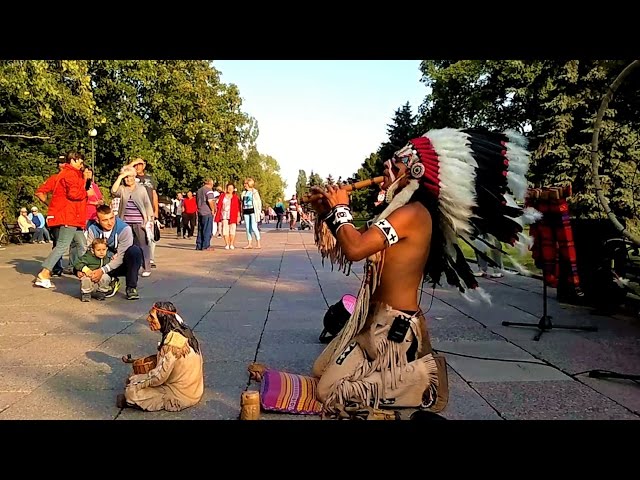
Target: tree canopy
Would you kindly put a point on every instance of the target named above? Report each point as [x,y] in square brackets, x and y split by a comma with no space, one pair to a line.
[554,104]
[176,114]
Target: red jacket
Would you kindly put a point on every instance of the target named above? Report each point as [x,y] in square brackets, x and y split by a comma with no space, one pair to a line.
[234,209]
[68,205]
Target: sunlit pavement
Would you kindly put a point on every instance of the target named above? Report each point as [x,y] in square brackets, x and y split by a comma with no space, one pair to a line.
[60,358]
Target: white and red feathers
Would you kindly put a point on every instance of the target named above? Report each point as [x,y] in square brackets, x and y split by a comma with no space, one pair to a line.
[470,180]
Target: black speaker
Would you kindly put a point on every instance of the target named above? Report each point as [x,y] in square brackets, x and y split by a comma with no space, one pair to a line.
[336,317]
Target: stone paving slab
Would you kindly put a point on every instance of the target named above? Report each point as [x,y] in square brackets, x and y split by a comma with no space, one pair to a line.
[476,370]
[293,358]
[456,327]
[139,345]
[296,319]
[7,399]
[622,391]
[49,403]
[12,342]
[465,403]
[279,338]
[51,350]
[106,325]
[239,300]
[25,378]
[28,326]
[311,302]
[239,347]
[551,401]
[575,354]
[225,373]
[91,376]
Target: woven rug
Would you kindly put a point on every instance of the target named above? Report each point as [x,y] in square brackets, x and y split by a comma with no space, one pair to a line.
[289,393]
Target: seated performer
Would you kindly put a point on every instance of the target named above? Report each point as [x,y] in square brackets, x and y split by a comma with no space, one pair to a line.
[177,381]
[444,185]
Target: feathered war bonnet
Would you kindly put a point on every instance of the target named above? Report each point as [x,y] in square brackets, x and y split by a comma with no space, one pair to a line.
[469,179]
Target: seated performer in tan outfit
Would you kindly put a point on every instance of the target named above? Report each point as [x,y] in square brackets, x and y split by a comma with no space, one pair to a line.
[443,186]
[177,381]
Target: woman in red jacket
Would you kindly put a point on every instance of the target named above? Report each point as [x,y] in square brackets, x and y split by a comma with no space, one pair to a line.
[228,212]
[67,213]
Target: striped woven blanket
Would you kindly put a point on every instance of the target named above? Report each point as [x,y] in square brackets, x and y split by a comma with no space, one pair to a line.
[289,393]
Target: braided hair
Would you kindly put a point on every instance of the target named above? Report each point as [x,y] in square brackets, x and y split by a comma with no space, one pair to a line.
[172,322]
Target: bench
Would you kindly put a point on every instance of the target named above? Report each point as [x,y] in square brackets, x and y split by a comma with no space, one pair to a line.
[15,234]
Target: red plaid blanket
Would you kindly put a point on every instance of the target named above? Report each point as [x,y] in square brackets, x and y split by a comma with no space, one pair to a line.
[553,249]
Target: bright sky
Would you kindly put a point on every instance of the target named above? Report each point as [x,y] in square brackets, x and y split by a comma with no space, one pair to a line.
[323,115]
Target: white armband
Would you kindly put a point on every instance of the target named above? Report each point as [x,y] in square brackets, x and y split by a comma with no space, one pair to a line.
[388,231]
[340,215]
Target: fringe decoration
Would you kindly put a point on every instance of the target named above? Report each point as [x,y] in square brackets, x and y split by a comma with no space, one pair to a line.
[357,320]
[178,352]
[430,395]
[391,363]
[329,247]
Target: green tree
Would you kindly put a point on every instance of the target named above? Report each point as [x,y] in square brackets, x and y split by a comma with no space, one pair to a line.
[403,127]
[176,114]
[265,171]
[362,201]
[46,108]
[315,180]
[556,101]
[301,184]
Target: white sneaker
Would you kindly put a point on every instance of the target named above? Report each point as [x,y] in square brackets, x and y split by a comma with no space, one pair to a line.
[226,247]
[146,274]
[479,274]
[496,275]
[43,282]
[232,247]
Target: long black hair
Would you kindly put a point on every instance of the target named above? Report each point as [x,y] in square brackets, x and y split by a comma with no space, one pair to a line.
[169,322]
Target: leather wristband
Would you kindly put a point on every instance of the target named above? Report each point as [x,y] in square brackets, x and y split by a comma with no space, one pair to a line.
[340,215]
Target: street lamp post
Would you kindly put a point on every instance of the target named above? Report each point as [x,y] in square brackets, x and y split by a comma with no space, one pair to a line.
[92,133]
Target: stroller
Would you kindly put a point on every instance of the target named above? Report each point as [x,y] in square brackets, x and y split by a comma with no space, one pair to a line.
[305,224]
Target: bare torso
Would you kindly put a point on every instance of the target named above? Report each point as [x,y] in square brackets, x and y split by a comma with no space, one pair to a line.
[404,262]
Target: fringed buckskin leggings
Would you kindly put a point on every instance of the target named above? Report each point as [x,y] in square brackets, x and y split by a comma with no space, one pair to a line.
[375,371]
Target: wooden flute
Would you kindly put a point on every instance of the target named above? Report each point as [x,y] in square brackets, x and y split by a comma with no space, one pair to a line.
[348,187]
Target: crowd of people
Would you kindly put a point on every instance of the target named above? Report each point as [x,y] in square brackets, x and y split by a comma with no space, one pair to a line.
[103,242]
[214,211]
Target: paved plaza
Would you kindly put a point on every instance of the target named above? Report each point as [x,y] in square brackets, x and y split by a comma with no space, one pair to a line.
[60,358]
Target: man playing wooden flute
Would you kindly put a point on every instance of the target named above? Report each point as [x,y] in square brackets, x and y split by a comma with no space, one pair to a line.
[445,185]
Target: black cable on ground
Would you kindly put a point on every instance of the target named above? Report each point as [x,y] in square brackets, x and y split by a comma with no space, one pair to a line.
[492,359]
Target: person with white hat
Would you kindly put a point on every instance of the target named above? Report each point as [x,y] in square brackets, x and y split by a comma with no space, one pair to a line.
[38,220]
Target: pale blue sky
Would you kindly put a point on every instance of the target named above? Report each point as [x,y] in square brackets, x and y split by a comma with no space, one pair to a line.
[323,115]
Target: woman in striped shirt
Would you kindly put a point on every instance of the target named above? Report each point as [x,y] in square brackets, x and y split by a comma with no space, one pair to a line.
[136,210]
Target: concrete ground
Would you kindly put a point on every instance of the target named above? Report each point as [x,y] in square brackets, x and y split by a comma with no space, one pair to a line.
[60,358]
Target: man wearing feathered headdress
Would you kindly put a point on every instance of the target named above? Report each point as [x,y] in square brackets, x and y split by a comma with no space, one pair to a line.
[441,187]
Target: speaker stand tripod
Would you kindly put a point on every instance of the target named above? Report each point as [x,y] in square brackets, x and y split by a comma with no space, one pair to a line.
[545,325]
